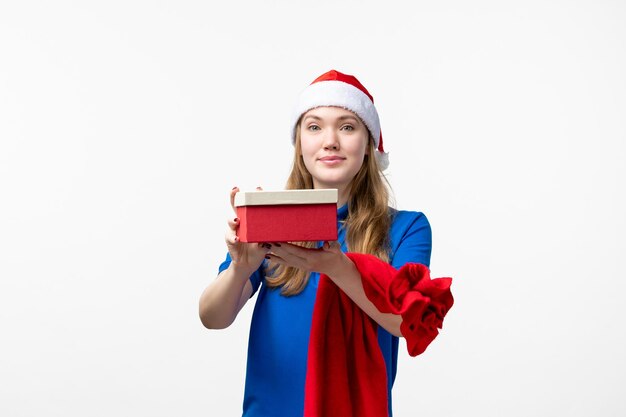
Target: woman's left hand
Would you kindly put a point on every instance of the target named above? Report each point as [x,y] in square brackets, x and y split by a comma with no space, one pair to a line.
[329,259]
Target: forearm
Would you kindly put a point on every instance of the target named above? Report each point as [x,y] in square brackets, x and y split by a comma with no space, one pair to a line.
[219,303]
[348,279]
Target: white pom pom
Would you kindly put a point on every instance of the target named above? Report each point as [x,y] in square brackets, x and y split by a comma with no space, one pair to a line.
[383,160]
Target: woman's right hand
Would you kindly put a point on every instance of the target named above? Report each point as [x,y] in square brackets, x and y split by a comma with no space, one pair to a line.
[245,256]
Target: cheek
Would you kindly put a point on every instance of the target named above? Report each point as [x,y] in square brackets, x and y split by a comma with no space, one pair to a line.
[308,147]
[358,148]
[305,151]
[307,155]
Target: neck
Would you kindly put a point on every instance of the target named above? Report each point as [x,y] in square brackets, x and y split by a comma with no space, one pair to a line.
[342,197]
[342,192]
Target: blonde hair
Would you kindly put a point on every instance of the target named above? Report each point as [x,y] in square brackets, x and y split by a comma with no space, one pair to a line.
[367,224]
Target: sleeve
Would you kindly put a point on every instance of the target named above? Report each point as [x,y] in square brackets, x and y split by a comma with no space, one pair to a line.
[255,278]
[411,239]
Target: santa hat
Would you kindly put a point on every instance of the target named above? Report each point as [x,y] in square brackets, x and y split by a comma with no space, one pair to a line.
[337,89]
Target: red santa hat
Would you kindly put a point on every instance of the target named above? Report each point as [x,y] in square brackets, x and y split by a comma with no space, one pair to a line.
[337,89]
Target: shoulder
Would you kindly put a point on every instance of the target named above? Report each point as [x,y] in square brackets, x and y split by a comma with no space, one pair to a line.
[403,221]
[410,238]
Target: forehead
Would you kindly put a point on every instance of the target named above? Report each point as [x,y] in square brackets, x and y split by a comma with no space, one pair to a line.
[330,112]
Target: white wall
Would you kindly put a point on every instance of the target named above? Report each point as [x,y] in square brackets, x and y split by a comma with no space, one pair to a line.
[124,124]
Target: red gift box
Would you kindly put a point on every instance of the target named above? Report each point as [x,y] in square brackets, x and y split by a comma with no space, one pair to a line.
[287,216]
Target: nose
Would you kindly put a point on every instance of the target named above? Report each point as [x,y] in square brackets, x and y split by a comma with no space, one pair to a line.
[331,140]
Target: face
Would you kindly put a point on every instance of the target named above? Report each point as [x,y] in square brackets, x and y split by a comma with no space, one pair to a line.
[334,144]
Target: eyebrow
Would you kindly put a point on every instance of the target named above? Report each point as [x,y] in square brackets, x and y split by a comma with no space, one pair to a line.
[345,117]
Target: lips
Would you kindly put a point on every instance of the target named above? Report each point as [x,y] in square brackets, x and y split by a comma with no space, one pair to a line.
[331,158]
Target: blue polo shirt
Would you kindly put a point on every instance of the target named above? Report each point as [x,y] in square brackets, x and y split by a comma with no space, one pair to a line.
[280,328]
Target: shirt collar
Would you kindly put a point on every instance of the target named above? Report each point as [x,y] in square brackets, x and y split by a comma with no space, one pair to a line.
[342,212]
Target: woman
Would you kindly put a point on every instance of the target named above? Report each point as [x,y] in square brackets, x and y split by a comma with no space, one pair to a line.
[338,144]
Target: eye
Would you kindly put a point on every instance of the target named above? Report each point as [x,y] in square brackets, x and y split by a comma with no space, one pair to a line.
[313,127]
[347,127]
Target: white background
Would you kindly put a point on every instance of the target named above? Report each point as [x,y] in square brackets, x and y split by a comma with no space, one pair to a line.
[124,124]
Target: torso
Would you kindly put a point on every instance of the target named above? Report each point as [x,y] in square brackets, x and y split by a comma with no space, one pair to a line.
[279,333]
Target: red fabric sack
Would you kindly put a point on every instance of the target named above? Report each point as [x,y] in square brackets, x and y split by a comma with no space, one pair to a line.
[346,373]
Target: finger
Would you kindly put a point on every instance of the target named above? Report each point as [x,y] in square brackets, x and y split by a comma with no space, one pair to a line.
[273,258]
[233,223]
[332,246]
[290,253]
[233,192]
[289,248]
[231,238]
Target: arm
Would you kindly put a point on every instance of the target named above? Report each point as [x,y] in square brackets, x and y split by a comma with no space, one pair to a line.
[413,245]
[330,260]
[348,279]
[222,300]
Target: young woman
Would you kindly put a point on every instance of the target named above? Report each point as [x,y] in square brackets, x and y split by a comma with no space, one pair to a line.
[338,144]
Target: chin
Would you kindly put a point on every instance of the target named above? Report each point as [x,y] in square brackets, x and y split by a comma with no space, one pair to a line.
[332,181]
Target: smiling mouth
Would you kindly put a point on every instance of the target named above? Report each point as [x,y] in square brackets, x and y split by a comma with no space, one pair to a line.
[331,162]
[331,159]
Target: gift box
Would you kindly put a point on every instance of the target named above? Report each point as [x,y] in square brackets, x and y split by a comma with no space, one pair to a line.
[287,216]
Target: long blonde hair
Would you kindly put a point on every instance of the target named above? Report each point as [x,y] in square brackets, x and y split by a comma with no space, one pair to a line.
[367,224]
